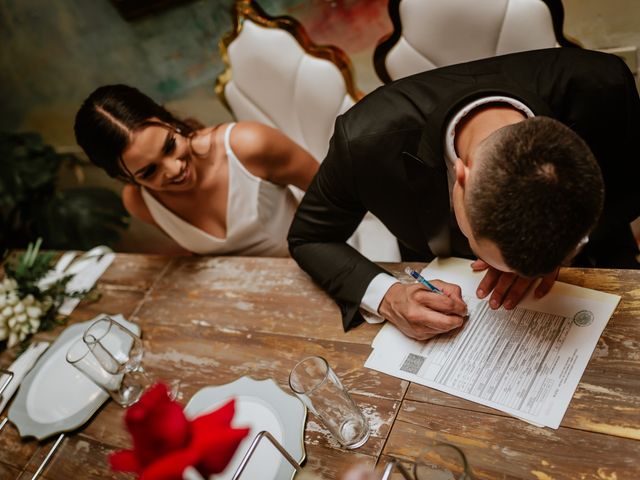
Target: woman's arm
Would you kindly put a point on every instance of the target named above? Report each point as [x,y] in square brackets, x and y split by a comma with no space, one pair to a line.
[134,204]
[271,155]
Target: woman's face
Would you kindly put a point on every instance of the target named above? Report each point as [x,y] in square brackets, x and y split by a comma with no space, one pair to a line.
[159,158]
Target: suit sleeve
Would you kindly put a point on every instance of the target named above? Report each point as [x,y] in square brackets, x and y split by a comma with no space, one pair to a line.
[327,216]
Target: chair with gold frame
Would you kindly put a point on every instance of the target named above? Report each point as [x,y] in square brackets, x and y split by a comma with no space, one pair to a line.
[275,75]
[434,33]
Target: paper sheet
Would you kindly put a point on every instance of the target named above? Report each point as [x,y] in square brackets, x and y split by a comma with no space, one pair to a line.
[526,361]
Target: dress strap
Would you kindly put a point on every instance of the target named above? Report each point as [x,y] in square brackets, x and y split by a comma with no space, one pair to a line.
[227,137]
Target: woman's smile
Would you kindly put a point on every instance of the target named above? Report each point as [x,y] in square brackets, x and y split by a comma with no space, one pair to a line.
[184,176]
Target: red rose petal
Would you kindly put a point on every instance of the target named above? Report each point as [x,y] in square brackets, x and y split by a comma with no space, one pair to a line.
[171,466]
[218,418]
[124,461]
[157,425]
[217,448]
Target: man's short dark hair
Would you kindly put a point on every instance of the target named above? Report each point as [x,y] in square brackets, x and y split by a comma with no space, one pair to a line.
[536,192]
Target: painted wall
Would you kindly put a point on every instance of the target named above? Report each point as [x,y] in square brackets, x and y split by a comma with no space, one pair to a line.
[55,52]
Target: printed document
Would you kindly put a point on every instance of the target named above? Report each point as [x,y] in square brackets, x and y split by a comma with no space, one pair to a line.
[526,362]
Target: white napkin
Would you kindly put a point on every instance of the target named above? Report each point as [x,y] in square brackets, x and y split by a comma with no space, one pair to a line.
[86,269]
[20,368]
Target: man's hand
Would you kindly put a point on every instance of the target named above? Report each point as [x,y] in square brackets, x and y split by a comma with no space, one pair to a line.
[509,288]
[422,314]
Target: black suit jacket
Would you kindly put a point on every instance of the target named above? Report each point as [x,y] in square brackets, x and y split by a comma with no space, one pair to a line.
[386,156]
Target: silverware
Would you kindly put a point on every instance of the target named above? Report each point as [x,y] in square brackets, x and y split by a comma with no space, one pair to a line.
[48,457]
[24,366]
[19,370]
[4,385]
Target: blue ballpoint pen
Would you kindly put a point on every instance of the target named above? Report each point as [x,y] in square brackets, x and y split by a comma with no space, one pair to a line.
[423,281]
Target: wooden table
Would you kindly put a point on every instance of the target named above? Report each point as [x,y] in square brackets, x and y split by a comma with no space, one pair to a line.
[209,321]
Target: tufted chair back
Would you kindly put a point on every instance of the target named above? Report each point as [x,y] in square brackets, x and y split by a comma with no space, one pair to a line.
[275,75]
[434,33]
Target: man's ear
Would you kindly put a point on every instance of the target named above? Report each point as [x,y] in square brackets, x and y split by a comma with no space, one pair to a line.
[462,172]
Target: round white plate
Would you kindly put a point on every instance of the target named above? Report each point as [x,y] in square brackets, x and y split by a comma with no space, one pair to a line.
[260,405]
[54,396]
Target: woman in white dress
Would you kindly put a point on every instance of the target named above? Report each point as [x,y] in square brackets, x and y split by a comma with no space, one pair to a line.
[217,190]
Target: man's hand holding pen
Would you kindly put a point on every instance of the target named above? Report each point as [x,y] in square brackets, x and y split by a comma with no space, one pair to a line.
[421,313]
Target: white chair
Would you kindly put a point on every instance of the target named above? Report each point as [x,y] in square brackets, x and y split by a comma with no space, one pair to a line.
[275,75]
[434,33]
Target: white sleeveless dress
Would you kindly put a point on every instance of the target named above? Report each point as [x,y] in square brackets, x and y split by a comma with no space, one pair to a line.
[259,214]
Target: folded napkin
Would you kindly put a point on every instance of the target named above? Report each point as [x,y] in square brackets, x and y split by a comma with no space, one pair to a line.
[86,269]
[20,368]
[165,442]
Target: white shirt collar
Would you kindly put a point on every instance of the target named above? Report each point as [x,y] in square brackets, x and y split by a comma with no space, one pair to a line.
[450,135]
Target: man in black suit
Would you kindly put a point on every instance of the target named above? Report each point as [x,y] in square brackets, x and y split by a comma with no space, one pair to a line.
[504,159]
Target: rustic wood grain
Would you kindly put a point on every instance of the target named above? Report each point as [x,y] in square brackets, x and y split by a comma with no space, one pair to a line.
[497,445]
[136,272]
[330,464]
[7,471]
[77,457]
[13,451]
[251,295]
[209,321]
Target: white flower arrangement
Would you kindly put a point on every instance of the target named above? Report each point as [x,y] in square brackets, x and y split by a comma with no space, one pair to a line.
[26,306]
[19,317]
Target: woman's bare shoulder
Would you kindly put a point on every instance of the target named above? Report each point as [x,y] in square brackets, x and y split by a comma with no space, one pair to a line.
[251,139]
[271,155]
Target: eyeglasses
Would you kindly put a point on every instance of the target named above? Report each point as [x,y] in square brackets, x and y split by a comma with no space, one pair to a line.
[440,461]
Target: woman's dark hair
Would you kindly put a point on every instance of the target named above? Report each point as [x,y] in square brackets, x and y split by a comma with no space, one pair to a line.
[109,116]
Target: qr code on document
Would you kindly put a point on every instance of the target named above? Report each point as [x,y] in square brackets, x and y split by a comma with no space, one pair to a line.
[412,363]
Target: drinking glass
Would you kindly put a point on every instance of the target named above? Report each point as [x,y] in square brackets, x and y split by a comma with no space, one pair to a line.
[120,351]
[320,389]
[125,388]
[116,347]
[442,461]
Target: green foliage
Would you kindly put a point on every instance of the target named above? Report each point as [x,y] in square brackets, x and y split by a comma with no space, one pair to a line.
[31,206]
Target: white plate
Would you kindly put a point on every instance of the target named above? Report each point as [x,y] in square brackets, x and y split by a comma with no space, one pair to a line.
[55,397]
[260,405]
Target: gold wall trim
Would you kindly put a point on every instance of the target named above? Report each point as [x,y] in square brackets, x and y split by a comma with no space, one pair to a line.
[249,9]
